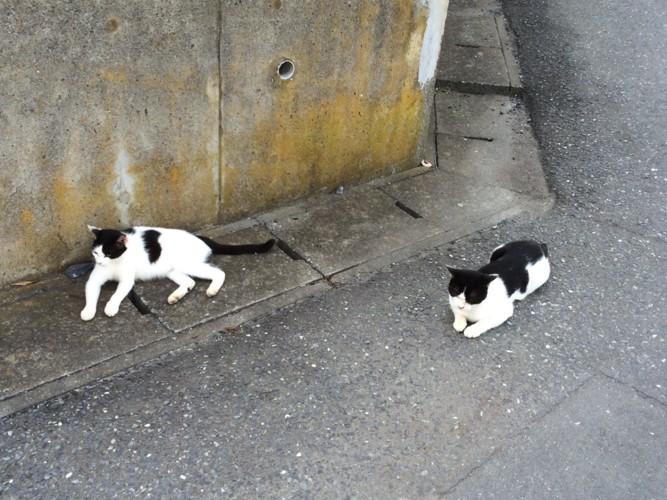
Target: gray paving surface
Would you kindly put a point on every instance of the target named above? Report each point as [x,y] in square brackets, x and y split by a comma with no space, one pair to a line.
[361,225]
[594,421]
[477,52]
[488,138]
[43,337]
[357,385]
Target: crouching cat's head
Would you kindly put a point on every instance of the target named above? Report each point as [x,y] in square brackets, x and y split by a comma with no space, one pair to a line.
[109,244]
[468,288]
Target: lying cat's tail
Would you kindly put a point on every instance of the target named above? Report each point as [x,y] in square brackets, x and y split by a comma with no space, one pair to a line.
[220,249]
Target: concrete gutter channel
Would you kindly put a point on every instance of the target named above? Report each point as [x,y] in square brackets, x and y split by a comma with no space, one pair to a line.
[486,169]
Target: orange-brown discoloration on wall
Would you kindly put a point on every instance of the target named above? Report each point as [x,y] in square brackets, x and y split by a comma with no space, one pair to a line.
[118,76]
[103,139]
[187,124]
[326,127]
[347,140]
[167,190]
[27,218]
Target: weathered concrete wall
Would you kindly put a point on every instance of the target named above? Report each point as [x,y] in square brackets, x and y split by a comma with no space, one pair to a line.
[167,112]
[108,116]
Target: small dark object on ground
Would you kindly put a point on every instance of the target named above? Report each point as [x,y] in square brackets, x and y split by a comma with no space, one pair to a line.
[77,270]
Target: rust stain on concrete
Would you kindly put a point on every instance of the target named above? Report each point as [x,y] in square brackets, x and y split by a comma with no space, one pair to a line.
[318,134]
[117,76]
[197,139]
[176,192]
[348,139]
[27,218]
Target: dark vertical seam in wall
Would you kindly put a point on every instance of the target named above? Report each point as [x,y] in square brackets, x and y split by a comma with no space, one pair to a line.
[220,180]
[436,161]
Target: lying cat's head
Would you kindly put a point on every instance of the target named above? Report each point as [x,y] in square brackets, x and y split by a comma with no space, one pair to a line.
[468,288]
[109,244]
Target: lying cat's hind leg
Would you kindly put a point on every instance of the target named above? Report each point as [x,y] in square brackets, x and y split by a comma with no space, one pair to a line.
[216,282]
[185,284]
[209,272]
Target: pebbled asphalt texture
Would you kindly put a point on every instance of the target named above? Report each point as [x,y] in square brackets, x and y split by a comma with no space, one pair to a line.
[596,77]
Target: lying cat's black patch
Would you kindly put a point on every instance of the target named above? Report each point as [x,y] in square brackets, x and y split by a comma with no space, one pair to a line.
[111,242]
[151,244]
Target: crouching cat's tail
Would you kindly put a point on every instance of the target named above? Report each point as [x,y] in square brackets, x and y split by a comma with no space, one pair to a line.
[220,249]
[544,249]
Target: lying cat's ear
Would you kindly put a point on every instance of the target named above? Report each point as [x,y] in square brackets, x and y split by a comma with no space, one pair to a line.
[453,271]
[94,230]
[122,239]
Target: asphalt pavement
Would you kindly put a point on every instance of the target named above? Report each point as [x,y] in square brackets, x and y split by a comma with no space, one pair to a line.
[350,382]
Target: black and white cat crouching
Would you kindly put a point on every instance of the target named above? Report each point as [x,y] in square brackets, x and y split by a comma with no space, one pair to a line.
[483,299]
[146,253]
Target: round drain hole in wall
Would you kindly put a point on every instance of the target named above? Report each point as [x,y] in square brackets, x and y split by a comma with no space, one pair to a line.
[286,69]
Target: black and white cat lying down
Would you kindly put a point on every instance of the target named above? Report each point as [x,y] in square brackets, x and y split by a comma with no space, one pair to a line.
[485,297]
[145,253]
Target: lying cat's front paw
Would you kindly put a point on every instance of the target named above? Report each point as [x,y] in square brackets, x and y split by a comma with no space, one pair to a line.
[111,309]
[87,314]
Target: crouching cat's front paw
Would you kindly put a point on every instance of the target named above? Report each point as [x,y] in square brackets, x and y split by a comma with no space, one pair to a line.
[87,313]
[474,331]
[111,309]
[460,324]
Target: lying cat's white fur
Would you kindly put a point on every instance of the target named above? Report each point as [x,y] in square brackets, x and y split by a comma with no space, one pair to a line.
[145,253]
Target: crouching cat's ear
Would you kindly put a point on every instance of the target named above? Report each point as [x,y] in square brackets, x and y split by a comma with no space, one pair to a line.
[94,230]
[452,270]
